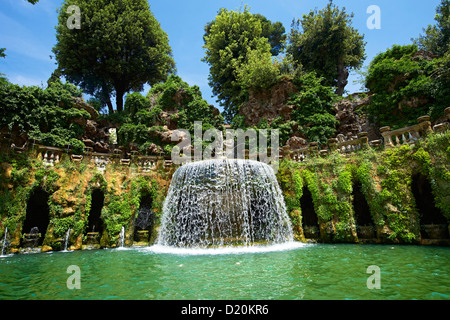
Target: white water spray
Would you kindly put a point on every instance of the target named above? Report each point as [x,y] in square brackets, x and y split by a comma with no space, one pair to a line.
[122,238]
[229,202]
[66,240]
[4,241]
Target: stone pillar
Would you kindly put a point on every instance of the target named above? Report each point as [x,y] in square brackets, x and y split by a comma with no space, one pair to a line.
[286,152]
[323,153]
[313,149]
[332,144]
[425,124]
[363,137]
[441,127]
[386,137]
[447,113]
[34,148]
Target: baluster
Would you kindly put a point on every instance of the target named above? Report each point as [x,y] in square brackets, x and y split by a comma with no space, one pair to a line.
[52,158]
[45,157]
[410,139]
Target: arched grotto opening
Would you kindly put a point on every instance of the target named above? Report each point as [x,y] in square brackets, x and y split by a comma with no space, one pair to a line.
[95,223]
[364,222]
[310,223]
[433,224]
[143,225]
[36,219]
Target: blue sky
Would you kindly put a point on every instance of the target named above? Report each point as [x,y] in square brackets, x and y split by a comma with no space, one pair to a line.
[28,33]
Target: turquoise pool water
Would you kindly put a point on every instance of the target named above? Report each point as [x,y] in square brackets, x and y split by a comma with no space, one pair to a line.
[303,272]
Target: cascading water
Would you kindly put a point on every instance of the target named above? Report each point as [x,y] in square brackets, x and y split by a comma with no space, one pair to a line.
[227,202]
[66,239]
[122,237]
[5,242]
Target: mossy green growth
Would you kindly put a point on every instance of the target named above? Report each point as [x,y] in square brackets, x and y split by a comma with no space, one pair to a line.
[386,182]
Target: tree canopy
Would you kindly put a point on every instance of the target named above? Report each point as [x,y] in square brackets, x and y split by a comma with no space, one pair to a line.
[119,48]
[229,40]
[437,37]
[325,42]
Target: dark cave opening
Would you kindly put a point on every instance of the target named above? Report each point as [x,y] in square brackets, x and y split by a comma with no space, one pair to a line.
[364,222]
[144,222]
[310,223]
[95,223]
[432,222]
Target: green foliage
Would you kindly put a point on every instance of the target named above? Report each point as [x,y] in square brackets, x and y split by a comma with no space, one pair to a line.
[119,48]
[61,225]
[434,159]
[119,210]
[229,39]
[327,44]
[274,32]
[407,86]
[177,95]
[176,100]
[259,72]
[47,115]
[437,37]
[133,133]
[136,102]
[313,108]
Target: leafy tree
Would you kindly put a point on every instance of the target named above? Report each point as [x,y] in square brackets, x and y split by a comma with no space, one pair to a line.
[274,32]
[437,37]
[119,48]
[325,42]
[259,72]
[313,108]
[407,84]
[228,40]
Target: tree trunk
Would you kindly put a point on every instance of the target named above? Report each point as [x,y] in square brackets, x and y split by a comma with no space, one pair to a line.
[109,104]
[342,79]
[119,100]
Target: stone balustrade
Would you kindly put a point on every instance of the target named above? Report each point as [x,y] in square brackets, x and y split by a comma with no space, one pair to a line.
[147,163]
[354,145]
[408,135]
[391,138]
[101,160]
[300,155]
[49,155]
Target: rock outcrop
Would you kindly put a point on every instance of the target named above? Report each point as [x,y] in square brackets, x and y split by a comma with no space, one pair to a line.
[269,104]
[351,121]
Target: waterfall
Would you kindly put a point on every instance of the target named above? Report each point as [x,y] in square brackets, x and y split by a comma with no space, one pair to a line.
[224,202]
[4,242]
[122,238]
[66,240]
